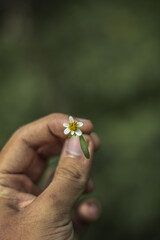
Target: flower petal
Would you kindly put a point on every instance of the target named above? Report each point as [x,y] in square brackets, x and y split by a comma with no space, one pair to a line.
[71,119]
[79,124]
[72,133]
[78,132]
[65,125]
[66,131]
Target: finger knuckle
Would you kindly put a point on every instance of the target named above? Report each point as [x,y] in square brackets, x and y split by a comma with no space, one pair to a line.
[72,174]
[19,132]
[20,135]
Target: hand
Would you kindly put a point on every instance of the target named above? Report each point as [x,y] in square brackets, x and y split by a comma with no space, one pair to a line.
[26,212]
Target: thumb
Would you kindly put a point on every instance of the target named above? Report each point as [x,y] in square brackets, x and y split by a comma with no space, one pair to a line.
[70,178]
[73,170]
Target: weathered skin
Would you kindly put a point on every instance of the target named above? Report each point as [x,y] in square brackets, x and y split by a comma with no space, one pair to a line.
[30,213]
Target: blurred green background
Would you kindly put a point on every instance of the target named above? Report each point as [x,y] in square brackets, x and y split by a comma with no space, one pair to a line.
[98,60]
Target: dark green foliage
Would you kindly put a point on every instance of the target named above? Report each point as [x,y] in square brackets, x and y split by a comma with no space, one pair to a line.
[97,60]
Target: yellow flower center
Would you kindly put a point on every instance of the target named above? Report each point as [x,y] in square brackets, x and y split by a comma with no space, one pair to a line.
[72,126]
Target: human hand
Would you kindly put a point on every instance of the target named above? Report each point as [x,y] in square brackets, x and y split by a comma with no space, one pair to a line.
[26,212]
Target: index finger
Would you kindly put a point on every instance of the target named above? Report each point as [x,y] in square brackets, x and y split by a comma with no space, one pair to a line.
[18,153]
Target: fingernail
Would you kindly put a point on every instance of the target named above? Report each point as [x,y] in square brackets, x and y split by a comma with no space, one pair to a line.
[81,119]
[73,146]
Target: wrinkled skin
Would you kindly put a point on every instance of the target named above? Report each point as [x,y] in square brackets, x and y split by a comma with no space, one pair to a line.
[30,213]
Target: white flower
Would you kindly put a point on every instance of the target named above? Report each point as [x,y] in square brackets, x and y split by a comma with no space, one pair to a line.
[73,127]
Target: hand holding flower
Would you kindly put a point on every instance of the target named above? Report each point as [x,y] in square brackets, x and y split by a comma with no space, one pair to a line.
[30,213]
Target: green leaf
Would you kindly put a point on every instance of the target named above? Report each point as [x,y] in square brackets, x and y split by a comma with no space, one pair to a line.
[69,136]
[84,146]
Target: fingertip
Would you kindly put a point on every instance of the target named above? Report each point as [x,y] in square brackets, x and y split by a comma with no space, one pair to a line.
[96,141]
[60,119]
[87,125]
[89,186]
[89,210]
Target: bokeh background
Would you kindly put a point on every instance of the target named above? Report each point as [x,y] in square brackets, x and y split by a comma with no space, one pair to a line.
[98,60]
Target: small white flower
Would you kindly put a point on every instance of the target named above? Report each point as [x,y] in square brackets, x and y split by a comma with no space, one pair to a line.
[72,127]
